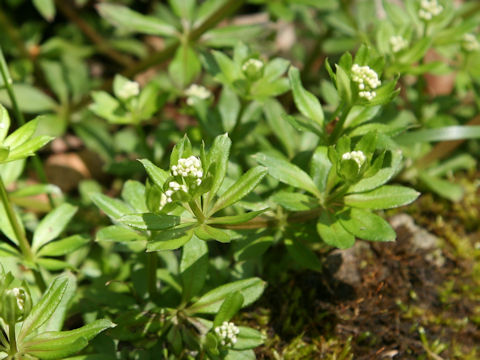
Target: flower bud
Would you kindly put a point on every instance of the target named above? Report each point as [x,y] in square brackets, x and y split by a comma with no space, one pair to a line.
[351,163]
[16,305]
[253,69]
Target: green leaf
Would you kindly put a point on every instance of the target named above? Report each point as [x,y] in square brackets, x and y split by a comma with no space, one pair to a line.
[206,232]
[240,189]
[157,175]
[416,52]
[218,158]
[4,152]
[446,133]
[4,123]
[303,255]
[21,135]
[343,85]
[52,225]
[119,234]
[295,201]
[132,21]
[248,338]
[46,307]
[6,226]
[29,148]
[64,246]
[185,65]
[53,264]
[229,70]
[275,115]
[230,306]
[333,233]
[133,192]
[30,99]
[287,173]
[58,344]
[46,8]
[149,221]
[8,251]
[236,219]
[444,188]
[303,124]
[385,197]
[170,239]
[210,303]
[183,9]
[306,102]
[252,248]
[366,225]
[381,176]
[113,208]
[229,108]
[320,167]
[193,267]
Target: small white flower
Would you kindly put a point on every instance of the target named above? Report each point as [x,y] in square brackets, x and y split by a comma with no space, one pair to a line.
[128,90]
[398,43]
[357,156]
[227,333]
[367,80]
[197,92]
[470,43]
[429,9]
[3,125]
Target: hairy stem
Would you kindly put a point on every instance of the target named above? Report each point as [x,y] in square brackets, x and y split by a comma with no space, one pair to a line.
[20,235]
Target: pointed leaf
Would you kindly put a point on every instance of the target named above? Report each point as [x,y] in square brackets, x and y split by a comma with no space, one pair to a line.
[287,172]
[210,303]
[240,189]
[385,197]
[52,225]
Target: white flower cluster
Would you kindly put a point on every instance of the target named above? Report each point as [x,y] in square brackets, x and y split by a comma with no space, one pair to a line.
[228,333]
[367,80]
[357,156]
[173,187]
[429,9]
[189,167]
[197,91]
[470,42]
[398,43]
[128,90]
[252,64]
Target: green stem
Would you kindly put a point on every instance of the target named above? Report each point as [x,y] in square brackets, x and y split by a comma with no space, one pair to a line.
[262,222]
[12,340]
[20,235]
[7,80]
[197,211]
[152,263]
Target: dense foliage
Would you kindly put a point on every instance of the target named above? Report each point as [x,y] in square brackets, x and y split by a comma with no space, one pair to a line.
[222,138]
